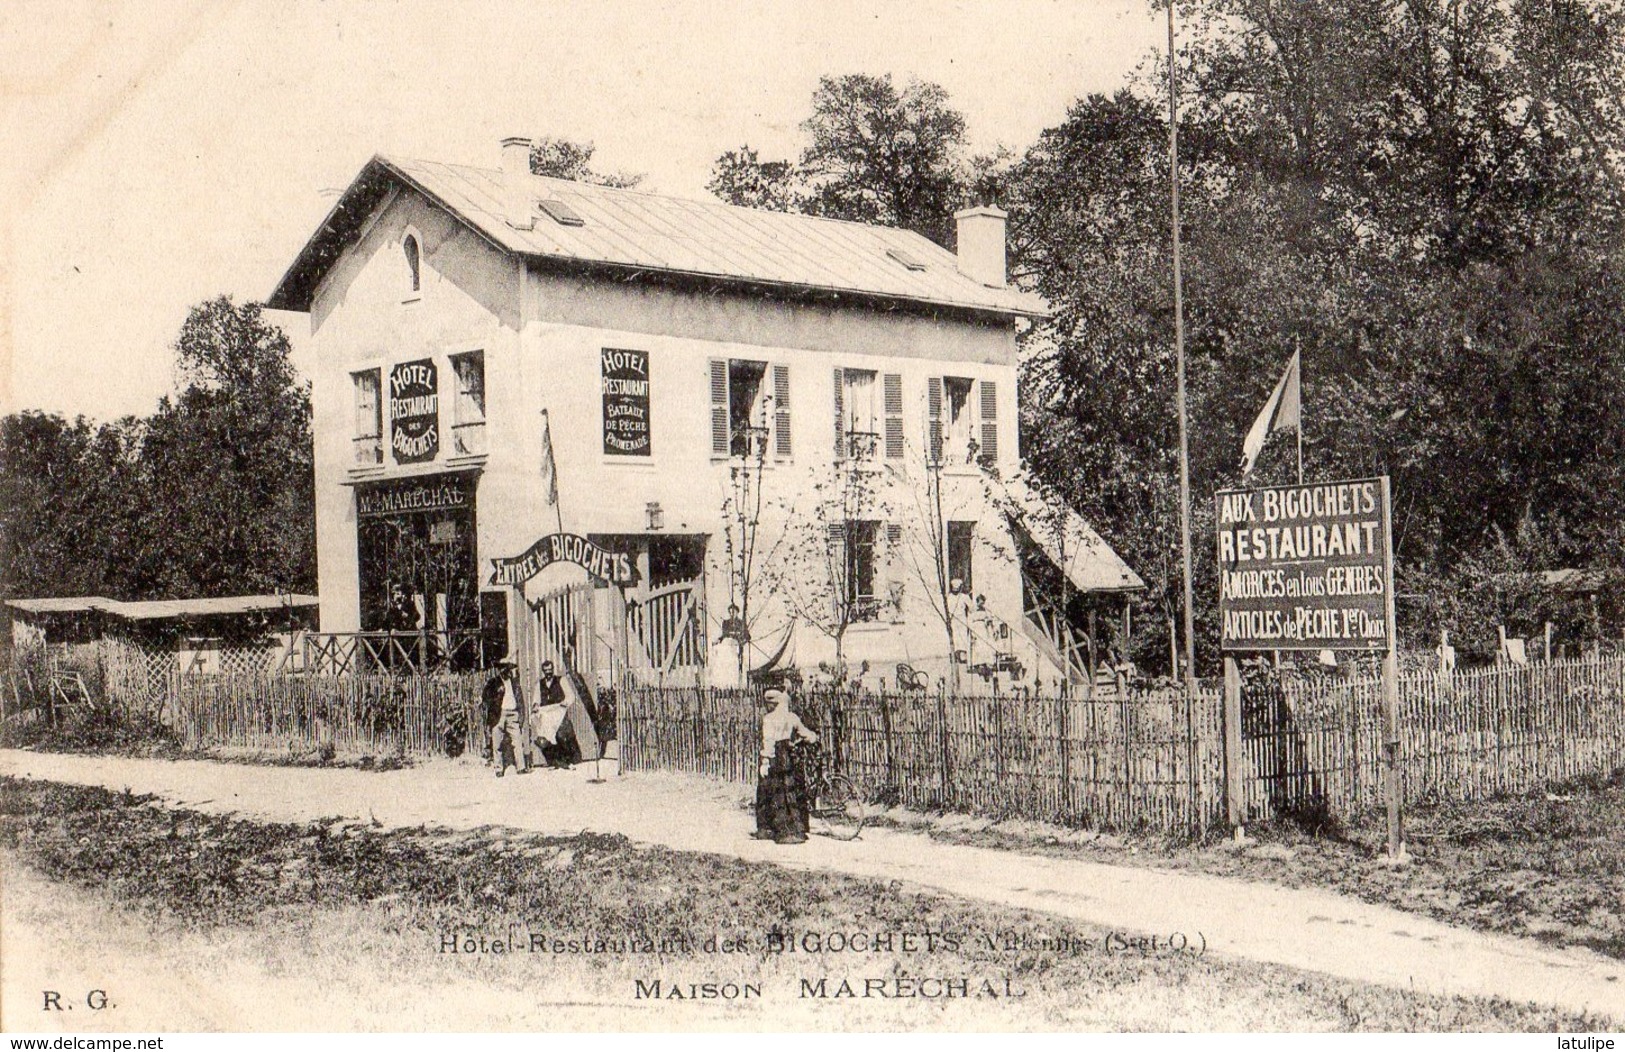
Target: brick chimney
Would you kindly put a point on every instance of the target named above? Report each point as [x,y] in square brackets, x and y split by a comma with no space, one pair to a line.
[981,244]
[516,182]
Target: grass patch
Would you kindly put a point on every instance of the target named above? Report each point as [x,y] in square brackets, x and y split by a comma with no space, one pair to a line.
[1548,865]
[361,914]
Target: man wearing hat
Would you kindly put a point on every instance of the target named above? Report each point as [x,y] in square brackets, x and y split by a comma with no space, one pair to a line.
[505,716]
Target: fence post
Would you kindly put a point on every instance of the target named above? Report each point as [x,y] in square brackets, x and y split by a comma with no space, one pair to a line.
[1061,714]
[942,724]
[1233,800]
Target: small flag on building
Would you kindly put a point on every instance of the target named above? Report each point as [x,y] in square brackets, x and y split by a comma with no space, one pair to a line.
[550,467]
[1281,412]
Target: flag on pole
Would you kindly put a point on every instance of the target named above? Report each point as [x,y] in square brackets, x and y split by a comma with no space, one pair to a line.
[1281,412]
[550,467]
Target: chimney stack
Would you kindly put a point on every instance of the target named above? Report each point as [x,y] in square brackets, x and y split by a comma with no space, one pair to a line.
[981,244]
[516,182]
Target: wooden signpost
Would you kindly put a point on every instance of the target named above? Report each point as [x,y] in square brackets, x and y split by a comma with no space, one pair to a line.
[1308,567]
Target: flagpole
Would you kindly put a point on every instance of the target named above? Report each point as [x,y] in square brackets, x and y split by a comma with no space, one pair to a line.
[1179,357]
[1297,354]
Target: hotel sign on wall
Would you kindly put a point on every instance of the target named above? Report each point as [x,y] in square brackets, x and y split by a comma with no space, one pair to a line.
[1305,567]
[626,402]
[414,412]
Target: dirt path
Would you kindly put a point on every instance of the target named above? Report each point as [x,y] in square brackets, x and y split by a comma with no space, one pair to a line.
[1314,930]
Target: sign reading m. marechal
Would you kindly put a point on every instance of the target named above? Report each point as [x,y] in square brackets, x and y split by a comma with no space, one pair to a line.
[1305,567]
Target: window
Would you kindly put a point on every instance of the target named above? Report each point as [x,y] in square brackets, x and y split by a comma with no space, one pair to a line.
[369,419]
[468,415]
[962,420]
[410,248]
[958,432]
[868,414]
[750,416]
[861,537]
[961,536]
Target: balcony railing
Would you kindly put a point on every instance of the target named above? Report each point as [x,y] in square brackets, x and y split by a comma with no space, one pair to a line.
[468,439]
[862,445]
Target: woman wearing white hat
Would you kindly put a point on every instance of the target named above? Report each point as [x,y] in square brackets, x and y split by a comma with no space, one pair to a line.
[781,792]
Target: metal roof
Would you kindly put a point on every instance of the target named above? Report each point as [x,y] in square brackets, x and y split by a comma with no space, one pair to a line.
[165,608]
[1062,534]
[644,232]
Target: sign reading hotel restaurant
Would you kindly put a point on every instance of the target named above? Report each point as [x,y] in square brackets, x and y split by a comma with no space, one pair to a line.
[626,402]
[438,493]
[1304,567]
[414,412]
[614,567]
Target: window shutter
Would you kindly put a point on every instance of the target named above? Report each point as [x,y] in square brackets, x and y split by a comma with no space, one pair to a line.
[840,412]
[933,417]
[893,394]
[719,407]
[841,562]
[781,410]
[989,454]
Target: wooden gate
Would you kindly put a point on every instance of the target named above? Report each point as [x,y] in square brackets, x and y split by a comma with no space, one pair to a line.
[668,629]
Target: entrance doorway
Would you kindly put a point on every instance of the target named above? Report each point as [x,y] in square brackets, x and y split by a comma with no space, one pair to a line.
[416,559]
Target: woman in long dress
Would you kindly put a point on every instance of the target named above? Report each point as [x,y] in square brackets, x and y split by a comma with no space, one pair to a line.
[781,792]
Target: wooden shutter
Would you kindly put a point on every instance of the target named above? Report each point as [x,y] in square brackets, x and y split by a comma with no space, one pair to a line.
[719,408]
[781,410]
[989,453]
[840,424]
[933,417]
[893,394]
[841,563]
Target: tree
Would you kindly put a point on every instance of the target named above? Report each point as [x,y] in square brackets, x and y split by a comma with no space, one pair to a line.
[67,494]
[567,159]
[227,465]
[820,565]
[1398,191]
[875,154]
[742,178]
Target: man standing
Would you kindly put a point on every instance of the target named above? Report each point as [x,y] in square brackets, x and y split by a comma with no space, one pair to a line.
[505,716]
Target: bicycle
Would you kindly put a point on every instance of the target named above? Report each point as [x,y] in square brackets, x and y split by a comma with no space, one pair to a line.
[832,797]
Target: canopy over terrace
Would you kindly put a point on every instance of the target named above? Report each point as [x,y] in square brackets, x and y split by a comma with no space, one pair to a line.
[46,617]
[1082,560]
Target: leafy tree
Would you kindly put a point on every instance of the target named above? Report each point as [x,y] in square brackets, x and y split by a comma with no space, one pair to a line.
[876,153]
[740,177]
[227,464]
[67,492]
[567,159]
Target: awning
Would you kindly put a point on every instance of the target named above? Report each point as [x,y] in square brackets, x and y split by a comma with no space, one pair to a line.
[1062,535]
[167,608]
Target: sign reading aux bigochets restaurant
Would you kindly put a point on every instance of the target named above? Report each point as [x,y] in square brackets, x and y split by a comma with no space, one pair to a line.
[1304,567]
[414,412]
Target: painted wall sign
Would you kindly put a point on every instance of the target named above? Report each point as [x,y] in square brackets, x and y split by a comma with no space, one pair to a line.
[1304,567]
[626,402]
[439,493]
[414,411]
[613,567]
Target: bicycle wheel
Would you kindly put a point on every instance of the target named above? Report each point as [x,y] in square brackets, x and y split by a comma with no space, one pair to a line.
[841,807]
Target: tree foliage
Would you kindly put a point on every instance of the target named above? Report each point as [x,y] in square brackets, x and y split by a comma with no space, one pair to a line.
[210,495]
[568,159]
[875,153]
[1401,191]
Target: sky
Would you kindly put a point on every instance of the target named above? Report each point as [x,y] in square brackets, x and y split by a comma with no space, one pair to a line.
[155,153]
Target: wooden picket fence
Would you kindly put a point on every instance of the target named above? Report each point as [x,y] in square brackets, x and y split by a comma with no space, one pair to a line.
[1147,760]
[1143,760]
[1317,746]
[369,715]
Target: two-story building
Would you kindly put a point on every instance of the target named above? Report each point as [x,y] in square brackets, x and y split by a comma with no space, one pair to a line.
[671,438]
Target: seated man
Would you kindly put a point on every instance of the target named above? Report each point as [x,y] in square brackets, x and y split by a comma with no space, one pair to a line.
[550,726]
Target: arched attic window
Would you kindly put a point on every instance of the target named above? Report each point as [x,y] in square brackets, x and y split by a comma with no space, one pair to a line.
[410,246]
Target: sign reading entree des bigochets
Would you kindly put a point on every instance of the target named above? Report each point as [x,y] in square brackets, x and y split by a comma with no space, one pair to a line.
[1304,567]
[414,412]
[626,402]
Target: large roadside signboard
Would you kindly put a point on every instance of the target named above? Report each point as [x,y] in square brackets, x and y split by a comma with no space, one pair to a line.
[1305,567]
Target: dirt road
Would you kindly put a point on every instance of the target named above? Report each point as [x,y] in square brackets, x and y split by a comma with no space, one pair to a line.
[1306,929]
